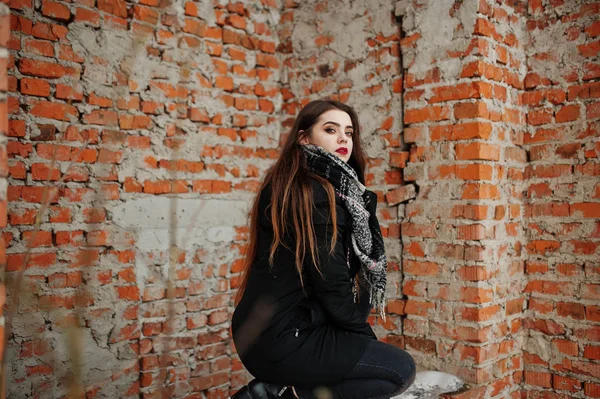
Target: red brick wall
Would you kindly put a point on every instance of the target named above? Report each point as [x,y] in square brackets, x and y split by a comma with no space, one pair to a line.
[500,245]
[562,92]
[4,36]
[463,235]
[111,104]
[494,117]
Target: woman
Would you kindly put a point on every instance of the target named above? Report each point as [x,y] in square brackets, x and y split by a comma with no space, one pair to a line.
[314,268]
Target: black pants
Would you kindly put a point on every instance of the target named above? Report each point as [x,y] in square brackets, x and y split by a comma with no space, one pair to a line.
[382,372]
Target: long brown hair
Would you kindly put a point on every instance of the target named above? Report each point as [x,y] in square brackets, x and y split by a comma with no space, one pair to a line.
[291,191]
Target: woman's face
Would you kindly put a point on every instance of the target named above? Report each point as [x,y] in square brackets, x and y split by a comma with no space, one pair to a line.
[333,131]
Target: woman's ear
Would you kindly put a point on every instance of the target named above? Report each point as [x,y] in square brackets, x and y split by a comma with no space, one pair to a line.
[303,137]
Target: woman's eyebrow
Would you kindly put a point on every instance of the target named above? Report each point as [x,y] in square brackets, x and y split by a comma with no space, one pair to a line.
[337,124]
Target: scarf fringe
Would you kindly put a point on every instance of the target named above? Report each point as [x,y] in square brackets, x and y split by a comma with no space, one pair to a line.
[377,298]
[379,301]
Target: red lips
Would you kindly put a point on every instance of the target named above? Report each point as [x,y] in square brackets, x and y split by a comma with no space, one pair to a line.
[342,150]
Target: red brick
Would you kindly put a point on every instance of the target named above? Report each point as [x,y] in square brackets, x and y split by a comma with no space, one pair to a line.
[42,238]
[586,210]
[236,21]
[459,91]
[65,92]
[41,47]
[539,117]
[16,128]
[218,317]
[591,389]
[41,171]
[130,103]
[591,352]
[115,7]
[266,106]
[421,268]
[102,117]
[514,306]
[132,186]
[592,110]
[35,87]
[538,378]
[584,91]
[566,347]
[49,31]
[157,187]
[53,110]
[266,60]
[195,27]
[590,291]
[462,131]
[63,280]
[151,107]
[224,82]
[573,310]
[568,113]
[431,113]
[419,308]
[129,122]
[15,148]
[590,49]
[41,369]
[145,14]
[131,293]
[401,194]
[43,69]
[138,142]
[94,99]
[55,10]
[480,191]
[565,383]
[476,295]
[66,53]
[42,260]
[84,15]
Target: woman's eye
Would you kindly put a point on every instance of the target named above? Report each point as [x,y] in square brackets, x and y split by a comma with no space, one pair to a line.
[330,130]
[349,134]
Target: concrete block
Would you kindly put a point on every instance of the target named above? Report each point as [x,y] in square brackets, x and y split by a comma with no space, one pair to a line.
[154,213]
[431,384]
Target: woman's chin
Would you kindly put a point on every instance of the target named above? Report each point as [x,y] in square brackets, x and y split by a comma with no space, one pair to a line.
[343,157]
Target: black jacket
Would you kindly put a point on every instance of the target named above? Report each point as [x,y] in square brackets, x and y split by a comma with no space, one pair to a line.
[288,334]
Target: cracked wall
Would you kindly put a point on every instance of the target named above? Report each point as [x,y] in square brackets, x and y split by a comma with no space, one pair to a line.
[500,243]
[153,122]
[562,89]
[462,235]
[479,119]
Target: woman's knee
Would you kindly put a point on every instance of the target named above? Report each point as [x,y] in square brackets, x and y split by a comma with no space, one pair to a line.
[411,367]
[407,370]
[387,387]
[386,361]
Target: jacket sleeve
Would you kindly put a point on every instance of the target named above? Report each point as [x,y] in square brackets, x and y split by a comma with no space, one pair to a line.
[333,287]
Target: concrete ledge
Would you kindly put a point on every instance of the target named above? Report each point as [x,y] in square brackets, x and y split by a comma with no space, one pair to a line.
[432,384]
[467,392]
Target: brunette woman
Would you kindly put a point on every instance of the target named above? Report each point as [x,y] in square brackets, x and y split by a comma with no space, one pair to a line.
[315,267]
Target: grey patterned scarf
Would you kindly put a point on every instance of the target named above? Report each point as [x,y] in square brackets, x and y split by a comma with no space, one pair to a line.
[367,241]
